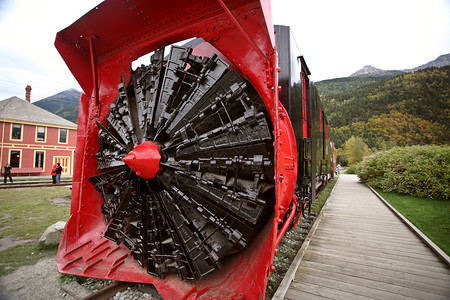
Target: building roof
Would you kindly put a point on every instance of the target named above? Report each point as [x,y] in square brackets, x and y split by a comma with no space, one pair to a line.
[20,110]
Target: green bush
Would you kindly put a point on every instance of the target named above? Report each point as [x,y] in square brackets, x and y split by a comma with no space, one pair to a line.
[342,160]
[422,171]
[352,169]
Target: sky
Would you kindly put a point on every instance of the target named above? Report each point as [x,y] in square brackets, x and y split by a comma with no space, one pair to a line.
[337,38]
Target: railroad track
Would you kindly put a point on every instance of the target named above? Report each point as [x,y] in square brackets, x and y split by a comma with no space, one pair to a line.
[128,290]
[103,294]
[32,184]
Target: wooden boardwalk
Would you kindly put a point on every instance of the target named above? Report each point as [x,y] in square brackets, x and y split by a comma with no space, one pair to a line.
[361,250]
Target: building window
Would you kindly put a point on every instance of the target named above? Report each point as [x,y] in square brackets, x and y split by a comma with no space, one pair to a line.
[39,159]
[40,133]
[63,136]
[14,158]
[16,131]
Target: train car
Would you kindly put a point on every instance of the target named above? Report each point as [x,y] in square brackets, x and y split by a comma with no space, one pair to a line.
[301,99]
[189,169]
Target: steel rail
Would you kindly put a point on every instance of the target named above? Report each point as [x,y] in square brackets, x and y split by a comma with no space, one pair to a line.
[32,185]
[109,291]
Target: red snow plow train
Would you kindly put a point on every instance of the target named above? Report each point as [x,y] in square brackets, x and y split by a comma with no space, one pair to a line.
[189,169]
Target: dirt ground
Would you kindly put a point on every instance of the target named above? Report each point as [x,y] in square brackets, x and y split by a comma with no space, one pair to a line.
[10,241]
[60,201]
[39,281]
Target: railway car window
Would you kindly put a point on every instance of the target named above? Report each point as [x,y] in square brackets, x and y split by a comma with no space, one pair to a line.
[16,131]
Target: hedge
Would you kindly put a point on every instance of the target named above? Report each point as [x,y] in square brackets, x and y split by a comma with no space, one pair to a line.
[422,171]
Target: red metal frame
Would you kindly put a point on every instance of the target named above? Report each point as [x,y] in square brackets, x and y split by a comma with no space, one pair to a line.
[102,45]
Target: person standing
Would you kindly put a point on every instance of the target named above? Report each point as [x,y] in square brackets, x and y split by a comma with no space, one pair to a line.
[8,172]
[54,174]
[58,173]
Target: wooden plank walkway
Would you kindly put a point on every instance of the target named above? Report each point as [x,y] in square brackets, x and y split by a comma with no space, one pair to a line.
[361,250]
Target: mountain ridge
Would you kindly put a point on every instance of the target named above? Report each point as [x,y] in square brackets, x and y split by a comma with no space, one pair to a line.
[409,109]
[64,104]
[370,75]
[60,100]
[440,61]
[368,69]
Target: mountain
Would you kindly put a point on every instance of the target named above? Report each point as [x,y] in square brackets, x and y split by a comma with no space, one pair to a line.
[60,100]
[64,104]
[364,76]
[388,107]
[367,70]
[441,61]
[69,113]
[408,109]
[345,84]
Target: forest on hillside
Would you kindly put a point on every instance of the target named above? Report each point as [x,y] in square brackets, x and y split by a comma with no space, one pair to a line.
[409,109]
[69,113]
[345,84]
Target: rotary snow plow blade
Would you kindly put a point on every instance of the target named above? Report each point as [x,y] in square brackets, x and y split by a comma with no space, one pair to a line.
[184,167]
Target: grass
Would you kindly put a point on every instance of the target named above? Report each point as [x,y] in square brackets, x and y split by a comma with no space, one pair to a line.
[24,255]
[25,214]
[323,196]
[352,169]
[431,216]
